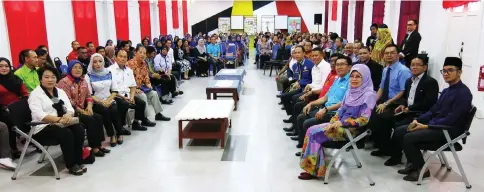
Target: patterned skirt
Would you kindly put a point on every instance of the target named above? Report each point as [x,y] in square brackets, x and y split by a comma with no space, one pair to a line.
[184,65]
[313,159]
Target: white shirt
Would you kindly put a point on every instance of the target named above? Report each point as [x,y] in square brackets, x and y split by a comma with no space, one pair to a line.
[170,54]
[413,89]
[319,73]
[100,87]
[41,105]
[161,63]
[123,79]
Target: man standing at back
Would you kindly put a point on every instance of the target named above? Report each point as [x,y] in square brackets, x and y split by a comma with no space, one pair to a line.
[411,42]
[392,88]
[73,54]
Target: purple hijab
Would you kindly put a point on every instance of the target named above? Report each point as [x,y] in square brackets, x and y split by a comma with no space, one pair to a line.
[363,94]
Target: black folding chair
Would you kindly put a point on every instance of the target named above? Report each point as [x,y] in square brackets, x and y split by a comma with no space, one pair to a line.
[353,144]
[452,145]
[21,117]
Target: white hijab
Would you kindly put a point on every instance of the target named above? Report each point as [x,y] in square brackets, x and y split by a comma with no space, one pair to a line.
[101,72]
[201,48]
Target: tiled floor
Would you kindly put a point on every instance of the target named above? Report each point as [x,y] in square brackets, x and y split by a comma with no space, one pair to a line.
[259,158]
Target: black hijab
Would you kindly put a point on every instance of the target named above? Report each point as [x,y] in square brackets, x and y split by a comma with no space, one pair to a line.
[10,81]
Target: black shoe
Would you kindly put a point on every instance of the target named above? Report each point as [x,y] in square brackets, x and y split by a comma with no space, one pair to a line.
[15,154]
[379,153]
[393,161]
[283,108]
[174,94]
[280,103]
[299,146]
[147,123]
[98,153]
[407,170]
[76,170]
[104,150]
[120,141]
[278,96]
[138,127]
[288,129]
[161,117]
[113,141]
[413,176]
[288,120]
[125,132]
[294,138]
[166,102]
[180,92]
[298,154]
[291,134]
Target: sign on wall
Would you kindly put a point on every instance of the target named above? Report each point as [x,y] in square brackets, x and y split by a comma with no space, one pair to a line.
[224,24]
[294,24]
[267,23]
[250,25]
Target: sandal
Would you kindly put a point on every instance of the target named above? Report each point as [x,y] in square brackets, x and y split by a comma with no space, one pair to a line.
[120,140]
[113,141]
[76,170]
[306,176]
[99,153]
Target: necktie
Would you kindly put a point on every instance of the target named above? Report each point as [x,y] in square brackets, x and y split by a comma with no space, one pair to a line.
[386,86]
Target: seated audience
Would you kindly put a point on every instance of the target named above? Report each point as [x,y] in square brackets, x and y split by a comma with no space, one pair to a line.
[143,85]
[354,113]
[42,58]
[451,109]
[200,54]
[181,59]
[338,46]
[76,88]
[161,75]
[301,77]
[5,153]
[214,53]
[320,72]
[375,68]
[84,58]
[51,105]
[265,51]
[12,89]
[91,49]
[109,42]
[73,54]
[126,45]
[109,58]
[282,79]
[123,78]
[421,93]
[392,88]
[384,38]
[323,109]
[103,90]
[28,73]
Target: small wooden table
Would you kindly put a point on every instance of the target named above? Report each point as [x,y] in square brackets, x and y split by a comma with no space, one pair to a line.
[224,86]
[207,119]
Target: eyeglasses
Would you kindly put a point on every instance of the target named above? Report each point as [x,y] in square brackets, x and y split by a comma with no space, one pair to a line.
[448,71]
[340,65]
[390,53]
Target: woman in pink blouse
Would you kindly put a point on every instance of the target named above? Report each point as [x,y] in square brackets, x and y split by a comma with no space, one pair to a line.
[77,90]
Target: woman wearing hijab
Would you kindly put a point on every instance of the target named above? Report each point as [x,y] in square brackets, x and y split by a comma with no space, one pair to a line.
[201,54]
[12,89]
[77,90]
[354,112]
[384,38]
[51,105]
[103,91]
[181,59]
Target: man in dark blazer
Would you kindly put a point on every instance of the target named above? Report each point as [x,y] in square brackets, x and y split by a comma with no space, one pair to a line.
[421,93]
[410,43]
[375,68]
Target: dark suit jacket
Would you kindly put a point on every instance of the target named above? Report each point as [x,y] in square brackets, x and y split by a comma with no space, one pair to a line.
[376,71]
[426,93]
[410,50]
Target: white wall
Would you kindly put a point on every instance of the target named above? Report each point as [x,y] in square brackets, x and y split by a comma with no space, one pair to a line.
[169,17]
[269,9]
[367,18]
[105,29]
[392,15]
[60,29]
[307,10]
[351,21]
[134,25]
[4,43]
[155,20]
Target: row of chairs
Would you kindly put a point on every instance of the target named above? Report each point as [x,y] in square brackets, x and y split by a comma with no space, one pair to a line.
[353,144]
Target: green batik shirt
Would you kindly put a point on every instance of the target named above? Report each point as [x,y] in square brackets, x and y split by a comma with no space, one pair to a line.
[29,77]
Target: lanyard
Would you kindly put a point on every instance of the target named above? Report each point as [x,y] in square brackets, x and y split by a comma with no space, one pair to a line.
[299,66]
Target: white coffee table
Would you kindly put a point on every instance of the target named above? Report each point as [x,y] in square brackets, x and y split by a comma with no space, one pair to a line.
[207,119]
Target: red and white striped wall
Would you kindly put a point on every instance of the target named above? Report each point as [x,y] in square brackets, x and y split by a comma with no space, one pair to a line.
[27,24]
